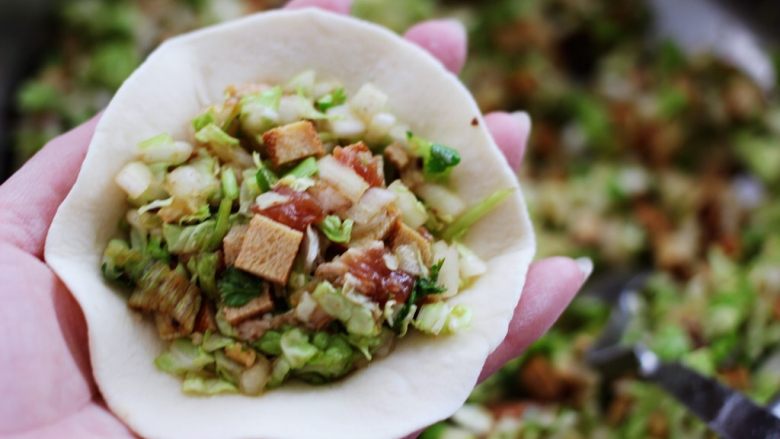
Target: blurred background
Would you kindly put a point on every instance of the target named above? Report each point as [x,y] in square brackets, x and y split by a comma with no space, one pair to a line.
[656,145]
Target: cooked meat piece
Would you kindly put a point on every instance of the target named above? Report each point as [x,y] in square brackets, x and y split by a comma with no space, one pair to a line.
[292,142]
[255,307]
[329,198]
[358,157]
[232,242]
[251,330]
[206,318]
[269,249]
[405,235]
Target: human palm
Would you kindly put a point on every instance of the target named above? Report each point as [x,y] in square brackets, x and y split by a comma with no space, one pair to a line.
[45,377]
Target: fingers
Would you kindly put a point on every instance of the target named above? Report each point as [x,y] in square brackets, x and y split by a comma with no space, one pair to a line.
[550,286]
[511,132]
[445,39]
[337,6]
[29,199]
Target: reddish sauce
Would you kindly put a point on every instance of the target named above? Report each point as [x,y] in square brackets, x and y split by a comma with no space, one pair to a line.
[377,281]
[362,161]
[298,213]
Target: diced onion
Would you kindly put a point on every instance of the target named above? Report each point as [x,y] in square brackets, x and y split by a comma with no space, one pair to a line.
[135,178]
[254,379]
[410,260]
[305,308]
[321,88]
[173,153]
[470,264]
[270,199]
[344,124]
[413,213]
[303,83]
[391,262]
[342,177]
[294,108]
[443,201]
[368,101]
[449,275]
[374,202]
[189,181]
[380,126]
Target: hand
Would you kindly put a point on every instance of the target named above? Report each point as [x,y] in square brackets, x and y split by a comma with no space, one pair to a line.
[45,376]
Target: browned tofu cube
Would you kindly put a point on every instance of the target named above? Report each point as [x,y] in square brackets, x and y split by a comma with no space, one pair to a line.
[405,235]
[269,249]
[397,156]
[255,307]
[240,354]
[231,244]
[292,142]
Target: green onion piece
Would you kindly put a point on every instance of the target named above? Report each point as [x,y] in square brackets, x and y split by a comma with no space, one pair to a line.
[229,184]
[335,229]
[438,159]
[306,168]
[223,222]
[266,179]
[461,225]
[213,135]
[332,99]
[203,120]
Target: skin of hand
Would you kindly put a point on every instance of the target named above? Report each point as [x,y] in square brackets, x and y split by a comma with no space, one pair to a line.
[46,380]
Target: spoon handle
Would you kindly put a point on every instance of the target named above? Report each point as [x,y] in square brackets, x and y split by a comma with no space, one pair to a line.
[727,412]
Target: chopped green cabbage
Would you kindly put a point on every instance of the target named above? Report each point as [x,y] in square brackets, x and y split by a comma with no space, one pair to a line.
[296,348]
[260,111]
[306,168]
[183,356]
[357,317]
[227,369]
[203,267]
[120,262]
[270,343]
[195,384]
[333,359]
[188,239]
[335,229]
[439,318]
[279,372]
[213,341]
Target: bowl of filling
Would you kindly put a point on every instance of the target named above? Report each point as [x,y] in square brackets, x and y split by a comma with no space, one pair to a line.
[291,225]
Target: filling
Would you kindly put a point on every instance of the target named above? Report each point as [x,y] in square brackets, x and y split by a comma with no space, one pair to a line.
[297,234]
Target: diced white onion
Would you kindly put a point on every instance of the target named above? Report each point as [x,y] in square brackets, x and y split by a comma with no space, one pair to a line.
[312,248]
[410,260]
[380,126]
[374,202]
[254,379]
[305,308]
[391,262]
[470,264]
[135,178]
[294,108]
[322,88]
[368,101]
[303,82]
[342,177]
[172,153]
[344,124]
[399,134]
[449,275]
[443,201]
[413,213]
[270,199]
[189,181]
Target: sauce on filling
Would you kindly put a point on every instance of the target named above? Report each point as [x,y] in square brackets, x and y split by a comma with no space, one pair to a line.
[376,280]
[362,161]
[298,212]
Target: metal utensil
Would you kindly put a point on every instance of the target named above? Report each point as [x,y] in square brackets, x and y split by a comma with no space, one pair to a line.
[727,412]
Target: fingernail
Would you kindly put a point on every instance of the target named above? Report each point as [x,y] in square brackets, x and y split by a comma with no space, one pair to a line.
[585,265]
[524,120]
